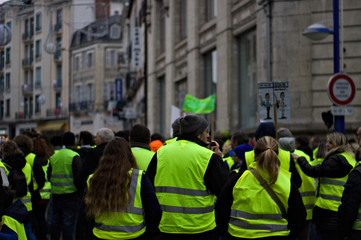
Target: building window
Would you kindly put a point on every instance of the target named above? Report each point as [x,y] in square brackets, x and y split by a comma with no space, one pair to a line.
[76,63]
[2,60]
[90,97]
[31,106]
[7,108]
[38,22]
[31,53]
[37,104]
[58,17]
[90,60]
[38,49]
[111,59]
[161,23]
[7,82]
[182,19]
[58,101]
[247,81]
[210,76]
[31,27]
[1,109]
[38,77]
[7,56]
[210,73]
[161,104]
[26,25]
[9,24]
[211,9]
[115,32]
[59,79]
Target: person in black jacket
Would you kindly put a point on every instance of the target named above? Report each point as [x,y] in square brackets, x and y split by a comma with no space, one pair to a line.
[348,212]
[177,175]
[333,173]
[296,212]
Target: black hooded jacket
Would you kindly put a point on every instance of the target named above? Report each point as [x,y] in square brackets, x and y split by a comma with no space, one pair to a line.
[15,161]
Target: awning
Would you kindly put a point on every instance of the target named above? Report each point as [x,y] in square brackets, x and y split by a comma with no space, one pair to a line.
[56,126]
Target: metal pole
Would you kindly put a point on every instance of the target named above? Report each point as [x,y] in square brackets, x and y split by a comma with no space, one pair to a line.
[339,120]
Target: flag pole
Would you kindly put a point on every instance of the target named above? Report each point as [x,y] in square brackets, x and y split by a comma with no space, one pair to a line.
[212,125]
[275,115]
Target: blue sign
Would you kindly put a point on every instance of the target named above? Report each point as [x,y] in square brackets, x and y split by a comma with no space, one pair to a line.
[118,89]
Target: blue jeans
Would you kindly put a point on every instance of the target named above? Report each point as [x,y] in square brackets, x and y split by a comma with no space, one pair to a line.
[64,217]
[29,232]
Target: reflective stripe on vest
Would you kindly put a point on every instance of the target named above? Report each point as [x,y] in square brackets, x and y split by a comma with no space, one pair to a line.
[179,185]
[128,224]
[62,181]
[14,225]
[331,189]
[142,156]
[248,218]
[30,159]
[46,190]
[4,167]
[307,188]
[27,170]
[283,155]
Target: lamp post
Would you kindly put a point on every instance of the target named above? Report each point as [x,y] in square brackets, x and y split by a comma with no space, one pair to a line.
[319,32]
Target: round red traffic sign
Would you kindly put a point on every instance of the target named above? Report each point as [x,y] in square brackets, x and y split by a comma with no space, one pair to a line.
[341,89]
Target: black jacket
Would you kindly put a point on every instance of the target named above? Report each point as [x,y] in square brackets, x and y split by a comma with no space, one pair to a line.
[90,163]
[333,166]
[350,202]
[296,214]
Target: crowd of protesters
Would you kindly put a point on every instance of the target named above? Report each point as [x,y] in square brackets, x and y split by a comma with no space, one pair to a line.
[133,184]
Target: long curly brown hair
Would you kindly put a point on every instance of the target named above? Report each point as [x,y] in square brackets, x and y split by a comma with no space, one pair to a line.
[109,186]
[266,156]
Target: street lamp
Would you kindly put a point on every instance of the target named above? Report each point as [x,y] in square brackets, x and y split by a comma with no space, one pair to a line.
[319,32]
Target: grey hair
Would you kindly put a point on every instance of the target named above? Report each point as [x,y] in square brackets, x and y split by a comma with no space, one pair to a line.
[106,133]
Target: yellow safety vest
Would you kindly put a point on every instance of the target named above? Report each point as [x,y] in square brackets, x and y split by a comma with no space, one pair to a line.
[283,155]
[4,167]
[62,181]
[357,223]
[169,141]
[229,161]
[188,207]
[307,188]
[142,156]
[331,189]
[254,214]
[46,190]
[128,224]
[14,225]
[30,159]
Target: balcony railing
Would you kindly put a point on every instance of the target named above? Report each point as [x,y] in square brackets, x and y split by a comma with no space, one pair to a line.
[28,36]
[81,106]
[57,55]
[56,112]
[27,89]
[57,27]
[27,62]
[58,85]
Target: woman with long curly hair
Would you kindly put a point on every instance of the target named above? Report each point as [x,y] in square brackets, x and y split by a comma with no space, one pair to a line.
[120,197]
[247,210]
[333,173]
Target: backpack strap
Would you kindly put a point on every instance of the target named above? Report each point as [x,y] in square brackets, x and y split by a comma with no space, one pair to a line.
[269,190]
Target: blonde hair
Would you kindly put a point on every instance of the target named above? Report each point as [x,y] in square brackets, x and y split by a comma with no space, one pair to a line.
[266,156]
[340,143]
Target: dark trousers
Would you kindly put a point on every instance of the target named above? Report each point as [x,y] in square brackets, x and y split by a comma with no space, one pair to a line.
[39,222]
[64,217]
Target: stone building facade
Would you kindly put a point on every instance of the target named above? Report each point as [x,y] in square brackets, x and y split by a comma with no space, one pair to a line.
[227,47]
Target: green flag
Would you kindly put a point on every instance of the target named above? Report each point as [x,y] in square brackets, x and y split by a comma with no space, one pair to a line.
[195,105]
